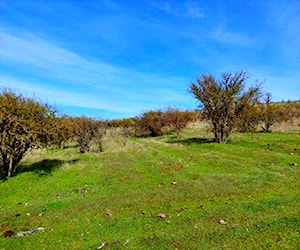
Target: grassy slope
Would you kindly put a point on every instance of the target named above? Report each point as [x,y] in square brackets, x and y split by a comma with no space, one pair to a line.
[248,183]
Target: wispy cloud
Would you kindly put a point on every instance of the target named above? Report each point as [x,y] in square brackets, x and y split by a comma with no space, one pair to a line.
[193,9]
[235,38]
[57,95]
[163,6]
[128,56]
[187,9]
[282,85]
[283,19]
[80,82]
[50,59]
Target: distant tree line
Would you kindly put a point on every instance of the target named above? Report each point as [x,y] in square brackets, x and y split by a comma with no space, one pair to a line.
[26,123]
[155,122]
[225,103]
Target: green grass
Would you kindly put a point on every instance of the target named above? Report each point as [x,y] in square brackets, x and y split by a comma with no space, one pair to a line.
[250,183]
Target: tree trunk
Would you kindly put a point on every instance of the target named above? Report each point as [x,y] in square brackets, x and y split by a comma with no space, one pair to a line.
[221,136]
[215,131]
[100,146]
[10,170]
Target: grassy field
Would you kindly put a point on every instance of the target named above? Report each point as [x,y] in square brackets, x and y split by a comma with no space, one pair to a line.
[112,200]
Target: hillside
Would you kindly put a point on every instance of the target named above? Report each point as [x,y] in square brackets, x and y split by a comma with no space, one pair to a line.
[243,194]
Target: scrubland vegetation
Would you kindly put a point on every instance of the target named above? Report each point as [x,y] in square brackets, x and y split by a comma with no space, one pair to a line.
[224,176]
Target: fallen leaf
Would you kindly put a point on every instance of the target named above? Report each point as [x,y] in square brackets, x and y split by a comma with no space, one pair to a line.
[109,212]
[4,227]
[8,234]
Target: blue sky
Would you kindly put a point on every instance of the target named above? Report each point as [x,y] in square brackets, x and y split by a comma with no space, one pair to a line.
[115,59]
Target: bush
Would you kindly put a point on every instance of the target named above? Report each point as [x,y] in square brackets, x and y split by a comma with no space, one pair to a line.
[85,130]
[62,131]
[291,111]
[150,123]
[271,113]
[24,124]
[99,134]
[177,119]
[124,123]
[224,100]
[249,119]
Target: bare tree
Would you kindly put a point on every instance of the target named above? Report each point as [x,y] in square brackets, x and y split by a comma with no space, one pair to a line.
[223,100]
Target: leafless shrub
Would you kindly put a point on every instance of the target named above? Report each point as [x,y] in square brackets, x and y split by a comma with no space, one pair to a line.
[224,100]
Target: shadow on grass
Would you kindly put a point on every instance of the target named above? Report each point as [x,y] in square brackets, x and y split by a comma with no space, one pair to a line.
[69,146]
[190,141]
[56,148]
[43,167]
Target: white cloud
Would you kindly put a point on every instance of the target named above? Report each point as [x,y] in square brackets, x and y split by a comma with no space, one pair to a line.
[235,38]
[163,6]
[188,9]
[51,60]
[194,10]
[55,95]
[80,82]
[283,86]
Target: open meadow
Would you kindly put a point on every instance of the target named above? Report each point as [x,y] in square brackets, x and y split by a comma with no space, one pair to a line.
[152,124]
[158,193]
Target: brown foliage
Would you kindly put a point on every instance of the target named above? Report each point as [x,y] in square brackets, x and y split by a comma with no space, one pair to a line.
[125,122]
[224,100]
[150,123]
[62,130]
[85,130]
[291,111]
[267,114]
[24,124]
[271,113]
[99,134]
[249,119]
[177,119]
